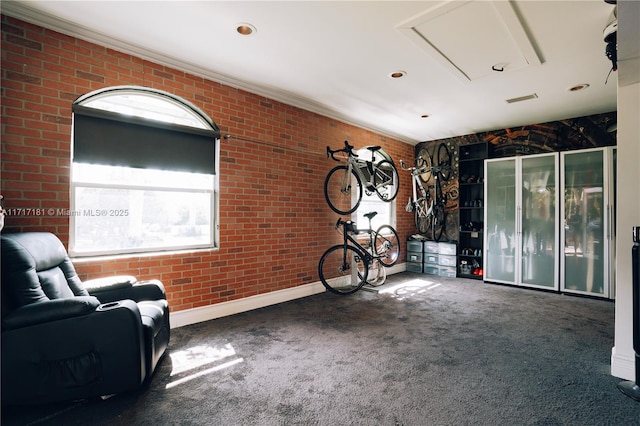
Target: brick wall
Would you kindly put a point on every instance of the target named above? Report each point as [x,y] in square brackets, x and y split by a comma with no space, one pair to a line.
[274,221]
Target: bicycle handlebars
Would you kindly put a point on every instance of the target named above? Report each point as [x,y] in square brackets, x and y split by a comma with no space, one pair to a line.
[348,149]
[413,170]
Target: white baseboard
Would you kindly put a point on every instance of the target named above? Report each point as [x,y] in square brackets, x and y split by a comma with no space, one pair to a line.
[623,366]
[395,269]
[223,309]
[205,313]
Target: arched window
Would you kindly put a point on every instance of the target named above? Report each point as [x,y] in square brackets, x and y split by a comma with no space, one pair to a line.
[143,173]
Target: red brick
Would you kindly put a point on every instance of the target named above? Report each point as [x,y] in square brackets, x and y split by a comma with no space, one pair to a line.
[259,251]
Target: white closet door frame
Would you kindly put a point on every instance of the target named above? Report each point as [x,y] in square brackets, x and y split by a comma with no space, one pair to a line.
[608,220]
[519,223]
[556,219]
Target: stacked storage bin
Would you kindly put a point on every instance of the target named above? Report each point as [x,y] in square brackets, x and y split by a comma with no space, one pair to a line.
[431,257]
[447,260]
[415,256]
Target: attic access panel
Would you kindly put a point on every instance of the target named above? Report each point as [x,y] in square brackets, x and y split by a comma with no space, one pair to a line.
[473,39]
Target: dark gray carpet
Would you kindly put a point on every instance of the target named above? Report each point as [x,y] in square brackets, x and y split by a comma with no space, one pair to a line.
[429,352]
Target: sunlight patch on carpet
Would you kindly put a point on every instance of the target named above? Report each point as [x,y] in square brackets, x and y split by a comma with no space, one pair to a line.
[408,288]
[197,356]
[203,372]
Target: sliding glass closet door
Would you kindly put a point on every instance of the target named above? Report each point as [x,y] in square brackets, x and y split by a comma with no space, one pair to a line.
[539,221]
[522,238]
[500,221]
[588,213]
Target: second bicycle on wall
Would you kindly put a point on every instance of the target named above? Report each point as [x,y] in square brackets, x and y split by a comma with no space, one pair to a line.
[360,259]
[432,198]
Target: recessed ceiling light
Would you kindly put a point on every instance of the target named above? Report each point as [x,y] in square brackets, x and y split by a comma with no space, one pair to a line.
[245,29]
[398,74]
[578,87]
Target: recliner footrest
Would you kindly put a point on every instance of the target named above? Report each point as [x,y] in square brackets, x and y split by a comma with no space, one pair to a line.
[155,323]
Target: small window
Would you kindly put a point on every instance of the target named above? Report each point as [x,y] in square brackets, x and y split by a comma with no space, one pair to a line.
[143,175]
[373,203]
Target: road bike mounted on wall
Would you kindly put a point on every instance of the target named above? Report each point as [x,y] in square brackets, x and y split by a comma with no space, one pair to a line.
[344,185]
[421,202]
[430,211]
[345,268]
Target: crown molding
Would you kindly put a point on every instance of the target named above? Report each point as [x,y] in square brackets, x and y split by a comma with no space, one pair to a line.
[23,11]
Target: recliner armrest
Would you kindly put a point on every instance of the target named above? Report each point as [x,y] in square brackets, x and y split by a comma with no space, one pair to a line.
[148,290]
[136,291]
[50,310]
[97,285]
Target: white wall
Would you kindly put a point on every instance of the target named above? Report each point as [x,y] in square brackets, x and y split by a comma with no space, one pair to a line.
[628,180]
[628,216]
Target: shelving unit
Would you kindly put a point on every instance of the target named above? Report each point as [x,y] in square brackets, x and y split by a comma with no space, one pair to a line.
[471,209]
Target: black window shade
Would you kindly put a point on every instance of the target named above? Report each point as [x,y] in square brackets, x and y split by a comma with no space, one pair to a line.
[104,137]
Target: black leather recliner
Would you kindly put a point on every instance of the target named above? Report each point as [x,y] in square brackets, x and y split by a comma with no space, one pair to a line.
[65,339]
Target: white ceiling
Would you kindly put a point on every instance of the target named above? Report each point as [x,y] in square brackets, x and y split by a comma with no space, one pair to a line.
[335,57]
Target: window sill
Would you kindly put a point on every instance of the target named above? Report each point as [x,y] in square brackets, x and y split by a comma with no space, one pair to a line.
[103,257]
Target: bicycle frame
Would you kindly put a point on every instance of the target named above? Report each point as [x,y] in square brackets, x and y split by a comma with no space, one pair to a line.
[344,268]
[368,252]
[422,210]
[439,196]
[417,185]
[346,184]
[360,251]
[364,251]
[357,165]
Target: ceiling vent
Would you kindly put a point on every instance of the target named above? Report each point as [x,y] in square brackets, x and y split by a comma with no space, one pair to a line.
[521,98]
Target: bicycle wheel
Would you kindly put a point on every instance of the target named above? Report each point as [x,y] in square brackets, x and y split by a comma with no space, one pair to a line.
[421,216]
[444,161]
[387,245]
[377,274]
[339,187]
[424,160]
[438,221]
[386,180]
[341,269]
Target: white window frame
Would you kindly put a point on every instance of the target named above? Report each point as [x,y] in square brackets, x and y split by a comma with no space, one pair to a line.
[206,187]
[384,209]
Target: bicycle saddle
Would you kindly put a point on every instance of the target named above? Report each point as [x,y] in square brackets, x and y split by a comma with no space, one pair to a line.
[370,215]
[374,148]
